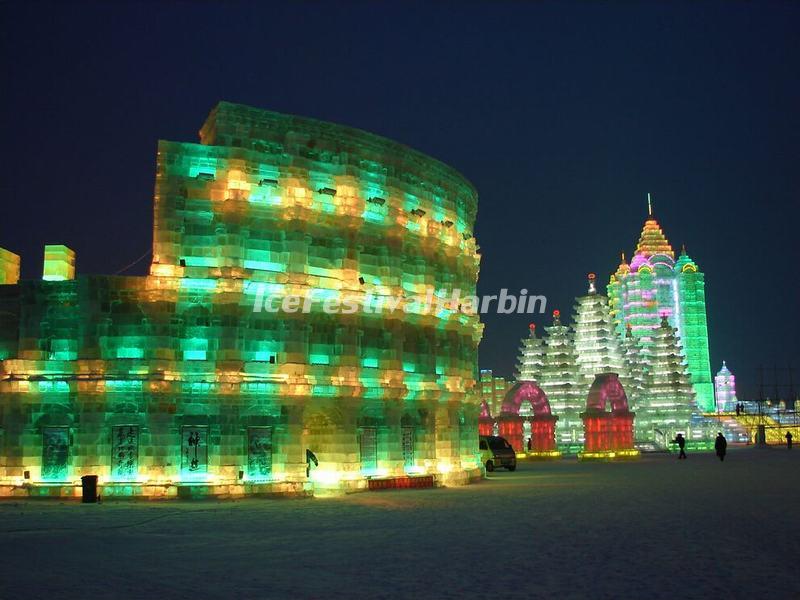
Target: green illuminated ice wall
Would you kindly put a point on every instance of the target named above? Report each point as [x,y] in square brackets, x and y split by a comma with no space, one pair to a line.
[189,377]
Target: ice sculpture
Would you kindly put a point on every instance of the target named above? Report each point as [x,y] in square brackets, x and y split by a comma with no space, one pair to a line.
[725,389]
[609,434]
[542,421]
[655,284]
[187,381]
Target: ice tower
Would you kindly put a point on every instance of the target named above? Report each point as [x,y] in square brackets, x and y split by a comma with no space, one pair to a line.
[561,379]
[656,284]
[669,400]
[530,359]
[725,389]
[597,346]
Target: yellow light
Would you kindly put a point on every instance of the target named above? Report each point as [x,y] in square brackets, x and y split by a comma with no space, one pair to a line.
[59,263]
[325,476]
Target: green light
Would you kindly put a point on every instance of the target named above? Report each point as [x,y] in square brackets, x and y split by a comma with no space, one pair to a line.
[200,261]
[373,216]
[198,284]
[260,265]
[59,263]
[53,386]
[325,390]
[123,352]
[201,170]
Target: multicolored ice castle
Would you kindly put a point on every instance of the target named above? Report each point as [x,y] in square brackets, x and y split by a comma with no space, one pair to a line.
[655,285]
[179,383]
[651,330]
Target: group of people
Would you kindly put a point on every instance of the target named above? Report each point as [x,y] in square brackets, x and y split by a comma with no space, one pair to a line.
[720,446]
[739,408]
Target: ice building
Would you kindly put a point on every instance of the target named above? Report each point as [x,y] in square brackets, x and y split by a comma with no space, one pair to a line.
[653,378]
[199,378]
[725,389]
[653,284]
[553,366]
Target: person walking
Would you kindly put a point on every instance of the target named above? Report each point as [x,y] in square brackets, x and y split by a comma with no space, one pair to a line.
[721,446]
[681,441]
[310,458]
[788,440]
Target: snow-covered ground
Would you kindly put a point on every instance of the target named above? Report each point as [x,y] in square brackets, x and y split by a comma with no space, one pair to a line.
[656,528]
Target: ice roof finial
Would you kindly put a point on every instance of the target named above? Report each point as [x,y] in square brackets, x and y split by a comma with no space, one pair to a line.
[649,205]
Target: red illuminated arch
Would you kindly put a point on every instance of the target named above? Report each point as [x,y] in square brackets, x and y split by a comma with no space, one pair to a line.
[606,389]
[522,391]
[607,433]
[543,423]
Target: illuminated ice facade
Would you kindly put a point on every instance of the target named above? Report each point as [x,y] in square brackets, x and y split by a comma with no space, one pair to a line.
[654,377]
[9,267]
[655,284]
[531,354]
[725,389]
[553,365]
[665,408]
[568,360]
[172,384]
[598,349]
[636,365]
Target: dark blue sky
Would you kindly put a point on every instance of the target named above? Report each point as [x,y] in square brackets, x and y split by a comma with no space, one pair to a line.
[563,116]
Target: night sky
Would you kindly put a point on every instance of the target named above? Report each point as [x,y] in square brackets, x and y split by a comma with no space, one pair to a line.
[563,116]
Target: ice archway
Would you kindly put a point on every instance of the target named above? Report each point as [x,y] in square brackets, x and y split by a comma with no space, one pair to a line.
[543,423]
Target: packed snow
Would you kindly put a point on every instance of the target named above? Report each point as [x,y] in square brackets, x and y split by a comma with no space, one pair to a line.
[652,528]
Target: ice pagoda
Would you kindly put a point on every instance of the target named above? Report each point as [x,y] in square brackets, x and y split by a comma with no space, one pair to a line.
[725,389]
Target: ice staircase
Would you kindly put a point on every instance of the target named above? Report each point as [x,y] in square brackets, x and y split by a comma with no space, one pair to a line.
[775,431]
[734,430]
